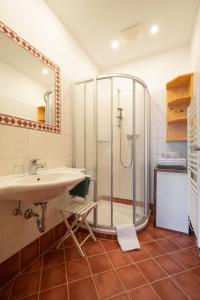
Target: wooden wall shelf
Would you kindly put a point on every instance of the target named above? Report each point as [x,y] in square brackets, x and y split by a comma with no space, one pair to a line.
[179,100]
[176,140]
[41,114]
[183,80]
[179,94]
[175,121]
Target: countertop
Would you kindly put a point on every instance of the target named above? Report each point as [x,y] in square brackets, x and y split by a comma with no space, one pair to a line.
[170,170]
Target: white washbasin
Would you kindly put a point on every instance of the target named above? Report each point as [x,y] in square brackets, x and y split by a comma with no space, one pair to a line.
[39,188]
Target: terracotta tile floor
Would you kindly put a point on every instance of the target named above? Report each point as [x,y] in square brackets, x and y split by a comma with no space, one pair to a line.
[166,267]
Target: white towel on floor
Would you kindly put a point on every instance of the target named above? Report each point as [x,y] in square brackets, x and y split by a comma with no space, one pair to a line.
[127,237]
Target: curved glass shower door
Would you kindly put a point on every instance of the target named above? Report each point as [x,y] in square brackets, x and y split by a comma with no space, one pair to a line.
[111,143]
[84,134]
[104,152]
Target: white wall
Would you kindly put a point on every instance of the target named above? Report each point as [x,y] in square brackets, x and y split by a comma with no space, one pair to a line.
[156,70]
[37,24]
[195,45]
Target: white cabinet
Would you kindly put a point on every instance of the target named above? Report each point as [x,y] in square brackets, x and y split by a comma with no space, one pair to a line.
[171,200]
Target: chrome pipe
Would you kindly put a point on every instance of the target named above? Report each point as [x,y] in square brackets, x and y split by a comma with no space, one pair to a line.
[40,221]
[73,127]
[134,159]
[84,127]
[95,216]
[111,150]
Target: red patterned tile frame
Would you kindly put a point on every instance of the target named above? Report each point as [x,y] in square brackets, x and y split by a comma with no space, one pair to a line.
[19,122]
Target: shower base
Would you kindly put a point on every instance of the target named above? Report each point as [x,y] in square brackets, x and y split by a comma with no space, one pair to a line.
[122,214]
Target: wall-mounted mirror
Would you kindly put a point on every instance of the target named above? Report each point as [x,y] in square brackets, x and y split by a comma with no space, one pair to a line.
[29,85]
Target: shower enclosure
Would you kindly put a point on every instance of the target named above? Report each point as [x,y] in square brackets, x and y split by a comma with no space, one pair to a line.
[111,142]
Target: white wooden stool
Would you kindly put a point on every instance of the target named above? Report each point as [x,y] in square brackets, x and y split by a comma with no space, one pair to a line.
[80,209]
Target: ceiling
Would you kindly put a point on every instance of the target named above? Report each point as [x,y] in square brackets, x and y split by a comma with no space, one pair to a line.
[95,23]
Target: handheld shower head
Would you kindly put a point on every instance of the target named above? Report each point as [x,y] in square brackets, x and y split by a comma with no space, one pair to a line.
[46,95]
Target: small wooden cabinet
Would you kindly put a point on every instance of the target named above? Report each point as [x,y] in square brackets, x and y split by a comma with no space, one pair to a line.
[179,94]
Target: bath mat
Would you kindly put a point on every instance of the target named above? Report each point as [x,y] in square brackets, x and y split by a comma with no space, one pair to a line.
[127,237]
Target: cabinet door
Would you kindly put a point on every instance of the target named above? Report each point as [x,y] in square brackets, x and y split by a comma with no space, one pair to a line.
[171,203]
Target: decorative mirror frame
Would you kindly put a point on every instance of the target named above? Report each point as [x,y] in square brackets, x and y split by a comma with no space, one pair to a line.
[19,122]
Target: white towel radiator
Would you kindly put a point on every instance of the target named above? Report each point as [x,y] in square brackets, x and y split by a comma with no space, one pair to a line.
[194,163]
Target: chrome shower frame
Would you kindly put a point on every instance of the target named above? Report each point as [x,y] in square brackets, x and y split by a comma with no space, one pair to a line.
[142,222]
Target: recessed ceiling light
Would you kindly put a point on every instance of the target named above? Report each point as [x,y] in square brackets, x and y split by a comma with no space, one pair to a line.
[45,71]
[154,29]
[115,44]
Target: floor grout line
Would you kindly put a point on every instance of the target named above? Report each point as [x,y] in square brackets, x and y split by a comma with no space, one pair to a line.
[155,292]
[171,276]
[149,281]
[116,295]
[180,288]
[29,295]
[148,284]
[66,276]
[175,261]
[132,262]
[47,289]
[170,252]
[10,292]
[75,280]
[40,281]
[98,296]
[115,270]
[92,275]
[106,252]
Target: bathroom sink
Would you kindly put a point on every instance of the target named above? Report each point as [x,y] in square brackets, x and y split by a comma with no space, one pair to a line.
[39,188]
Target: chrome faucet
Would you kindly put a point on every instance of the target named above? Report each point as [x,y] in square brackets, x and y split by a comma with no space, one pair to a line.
[34,166]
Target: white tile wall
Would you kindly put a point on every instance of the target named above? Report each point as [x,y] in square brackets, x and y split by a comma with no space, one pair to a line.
[14,142]
[17,145]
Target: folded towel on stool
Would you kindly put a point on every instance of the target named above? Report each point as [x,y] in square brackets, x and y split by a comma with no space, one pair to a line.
[81,190]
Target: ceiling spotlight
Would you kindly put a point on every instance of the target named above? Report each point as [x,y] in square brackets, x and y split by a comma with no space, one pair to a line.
[115,44]
[154,29]
[45,71]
